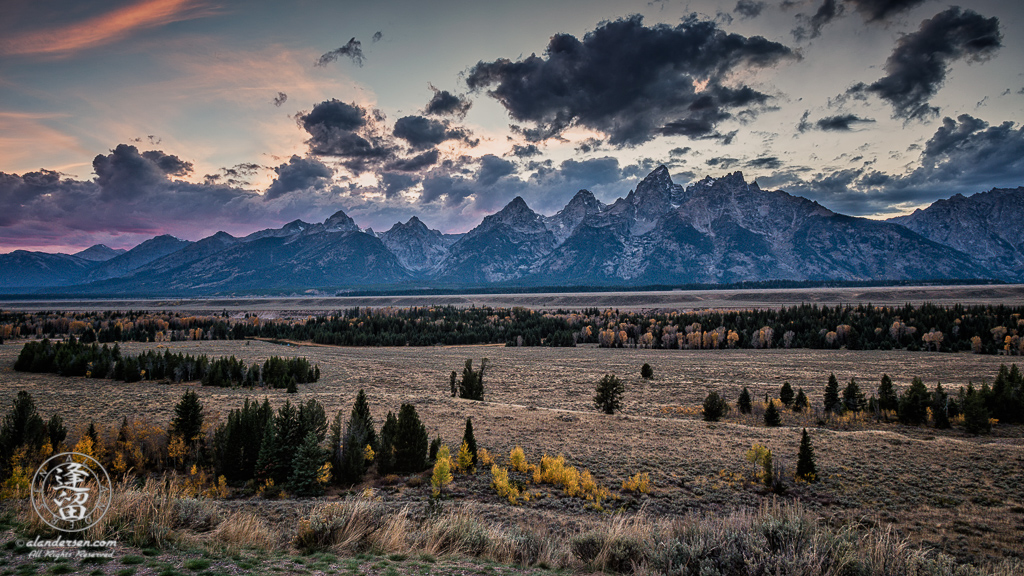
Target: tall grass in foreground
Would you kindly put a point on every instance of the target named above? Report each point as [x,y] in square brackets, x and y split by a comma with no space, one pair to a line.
[777,538]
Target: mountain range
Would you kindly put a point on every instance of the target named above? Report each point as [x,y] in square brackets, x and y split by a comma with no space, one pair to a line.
[722,230]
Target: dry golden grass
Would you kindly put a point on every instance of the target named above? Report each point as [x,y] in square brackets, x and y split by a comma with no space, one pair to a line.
[944,490]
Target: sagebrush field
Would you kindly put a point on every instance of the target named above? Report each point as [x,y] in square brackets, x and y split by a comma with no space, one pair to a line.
[944,490]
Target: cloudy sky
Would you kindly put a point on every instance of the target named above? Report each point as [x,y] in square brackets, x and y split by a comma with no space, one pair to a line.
[121,120]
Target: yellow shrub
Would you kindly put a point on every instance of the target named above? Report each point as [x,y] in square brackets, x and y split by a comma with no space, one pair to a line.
[640,483]
[442,470]
[484,457]
[464,461]
[501,484]
[220,490]
[517,460]
[17,486]
[323,476]
[369,454]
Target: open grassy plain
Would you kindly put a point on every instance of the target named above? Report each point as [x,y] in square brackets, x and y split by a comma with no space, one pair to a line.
[942,489]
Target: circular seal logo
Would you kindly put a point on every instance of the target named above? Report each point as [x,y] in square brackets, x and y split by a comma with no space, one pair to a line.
[71,491]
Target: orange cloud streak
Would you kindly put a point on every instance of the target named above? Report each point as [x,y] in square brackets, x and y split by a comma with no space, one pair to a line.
[102,29]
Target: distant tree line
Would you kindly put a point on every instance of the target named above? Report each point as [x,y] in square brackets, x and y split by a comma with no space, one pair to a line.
[975,408]
[983,329]
[74,358]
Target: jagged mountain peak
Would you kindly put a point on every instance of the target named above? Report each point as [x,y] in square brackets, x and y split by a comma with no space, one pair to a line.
[516,205]
[516,214]
[584,198]
[99,253]
[731,180]
[296,225]
[413,223]
[582,205]
[340,222]
[417,247]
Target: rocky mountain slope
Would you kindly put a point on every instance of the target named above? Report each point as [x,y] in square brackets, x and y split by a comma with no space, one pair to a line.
[986,225]
[713,231]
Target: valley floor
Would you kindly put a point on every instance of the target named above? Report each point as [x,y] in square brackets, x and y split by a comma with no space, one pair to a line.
[944,490]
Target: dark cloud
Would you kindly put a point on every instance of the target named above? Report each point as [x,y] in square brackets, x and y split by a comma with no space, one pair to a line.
[880,10]
[840,123]
[444,103]
[871,10]
[353,50]
[679,151]
[630,81]
[593,171]
[765,162]
[421,132]
[525,151]
[298,174]
[492,168]
[968,149]
[377,36]
[804,124]
[135,196]
[415,163]
[723,162]
[749,8]
[811,26]
[965,155]
[125,173]
[237,175]
[588,145]
[917,67]
[394,183]
[280,99]
[346,131]
[169,164]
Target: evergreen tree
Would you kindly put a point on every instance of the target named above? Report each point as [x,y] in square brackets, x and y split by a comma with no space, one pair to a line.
[386,460]
[832,395]
[913,406]
[91,432]
[22,426]
[772,417]
[646,372]
[801,402]
[288,434]
[411,441]
[976,414]
[714,407]
[292,385]
[940,413]
[360,434]
[744,404]
[266,462]
[609,393]
[786,394]
[237,442]
[335,445]
[55,431]
[853,398]
[188,418]
[435,445]
[887,398]
[312,418]
[472,385]
[469,440]
[873,406]
[805,467]
[455,388]
[304,479]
